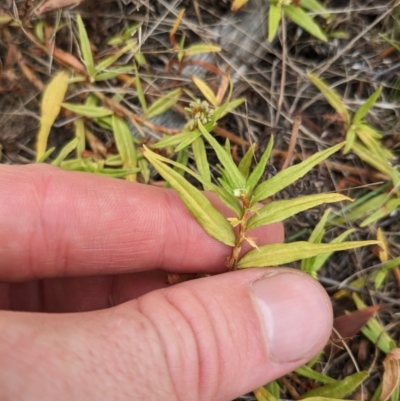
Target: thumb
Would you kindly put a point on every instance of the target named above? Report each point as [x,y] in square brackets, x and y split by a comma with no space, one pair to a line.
[209,339]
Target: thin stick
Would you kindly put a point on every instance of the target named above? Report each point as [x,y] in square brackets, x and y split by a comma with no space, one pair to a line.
[283,76]
[292,143]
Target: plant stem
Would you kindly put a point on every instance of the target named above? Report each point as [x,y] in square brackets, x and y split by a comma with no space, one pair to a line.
[232,260]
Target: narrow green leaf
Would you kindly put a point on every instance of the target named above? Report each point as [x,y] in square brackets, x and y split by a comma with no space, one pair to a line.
[283,209]
[310,373]
[163,104]
[87,111]
[278,254]
[371,158]
[274,19]
[186,142]
[201,48]
[258,171]
[373,330]
[226,108]
[65,151]
[50,108]
[113,73]
[320,260]
[80,134]
[212,221]
[390,206]
[373,144]
[315,6]
[110,60]
[338,389]
[332,97]
[172,140]
[200,157]
[229,200]
[350,139]
[236,180]
[291,174]
[247,161]
[125,146]
[319,228]
[367,106]
[139,91]
[45,156]
[303,20]
[85,47]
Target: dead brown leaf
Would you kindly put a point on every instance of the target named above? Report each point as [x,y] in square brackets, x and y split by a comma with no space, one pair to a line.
[391,374]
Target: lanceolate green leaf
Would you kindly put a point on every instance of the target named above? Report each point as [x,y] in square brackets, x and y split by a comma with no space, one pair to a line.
[303,20]
[332,97]
[87,111]
[65,151]
[338,389]
[283,209]
[213,222]
[85,47]
[367,106]
[125,146]
[247,160]
[274,19]
[200,156]
[257,173]
[233,174]
[278,254]
[314,5]
[310,373]
[291,174]
[163,104]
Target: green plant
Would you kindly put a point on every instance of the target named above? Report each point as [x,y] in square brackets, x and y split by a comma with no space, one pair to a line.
[241,190]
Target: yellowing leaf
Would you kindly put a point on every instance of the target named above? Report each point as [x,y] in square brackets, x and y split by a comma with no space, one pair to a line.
[206,91]
[163,104]
[262,394]
[303,20]
[238,4]
[384,252]
[212,221]
[391,374]
[201,48]
[332,97]
[278,254]
[291,174]
[50,108]
[283,209]
[126,148]
[338,389]
[274,19]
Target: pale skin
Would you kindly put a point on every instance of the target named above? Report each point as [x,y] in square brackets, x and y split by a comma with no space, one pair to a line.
[86,314]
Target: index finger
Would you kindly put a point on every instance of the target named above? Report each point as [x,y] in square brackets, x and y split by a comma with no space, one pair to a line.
[58,223]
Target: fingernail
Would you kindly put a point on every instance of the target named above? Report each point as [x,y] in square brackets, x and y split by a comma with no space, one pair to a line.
[296,315]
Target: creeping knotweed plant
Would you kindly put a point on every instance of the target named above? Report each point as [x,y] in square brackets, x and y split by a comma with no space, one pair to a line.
[241,190]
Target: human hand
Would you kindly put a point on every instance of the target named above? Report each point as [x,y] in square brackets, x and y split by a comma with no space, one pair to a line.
[74,242]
